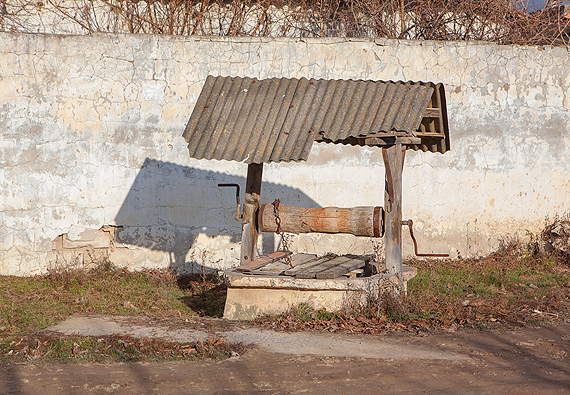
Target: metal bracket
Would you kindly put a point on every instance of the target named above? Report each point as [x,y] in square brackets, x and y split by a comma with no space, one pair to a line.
[238,215]
[410,223]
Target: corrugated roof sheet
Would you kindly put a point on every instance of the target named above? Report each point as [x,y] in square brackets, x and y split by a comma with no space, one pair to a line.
[273,120]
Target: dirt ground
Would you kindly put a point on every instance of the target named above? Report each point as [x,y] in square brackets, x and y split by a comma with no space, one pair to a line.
[531,360]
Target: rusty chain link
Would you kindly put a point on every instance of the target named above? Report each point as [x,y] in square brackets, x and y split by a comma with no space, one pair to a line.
[284,239]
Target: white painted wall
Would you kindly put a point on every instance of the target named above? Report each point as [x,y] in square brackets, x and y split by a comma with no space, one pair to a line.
[91,131]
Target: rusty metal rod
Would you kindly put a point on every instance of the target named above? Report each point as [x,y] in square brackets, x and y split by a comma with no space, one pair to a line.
[410,223]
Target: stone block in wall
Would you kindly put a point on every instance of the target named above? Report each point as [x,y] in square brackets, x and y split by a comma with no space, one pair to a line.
[90,247]
[82,249]
[92,238]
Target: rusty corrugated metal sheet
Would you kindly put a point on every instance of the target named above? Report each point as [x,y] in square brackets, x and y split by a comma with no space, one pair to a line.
[273,120]
[364,108]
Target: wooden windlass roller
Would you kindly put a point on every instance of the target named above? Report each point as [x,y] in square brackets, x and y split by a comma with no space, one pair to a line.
[357,221]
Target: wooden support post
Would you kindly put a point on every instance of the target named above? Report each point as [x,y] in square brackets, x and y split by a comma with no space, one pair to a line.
[250,209]
[393,163]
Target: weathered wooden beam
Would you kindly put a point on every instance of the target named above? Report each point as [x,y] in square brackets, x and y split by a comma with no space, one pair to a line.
[393,163]
[358,221]
[431,135]
[432,113]
[390,140]
[250,209]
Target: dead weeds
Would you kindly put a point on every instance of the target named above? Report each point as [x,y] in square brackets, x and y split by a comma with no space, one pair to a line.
[207,293]
[514,286]
[31,304]
[53,347]
[509,288]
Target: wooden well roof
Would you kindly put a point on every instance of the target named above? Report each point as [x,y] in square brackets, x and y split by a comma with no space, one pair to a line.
[272,120]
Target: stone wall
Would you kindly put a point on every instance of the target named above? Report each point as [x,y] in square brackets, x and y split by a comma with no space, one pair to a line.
[92,162]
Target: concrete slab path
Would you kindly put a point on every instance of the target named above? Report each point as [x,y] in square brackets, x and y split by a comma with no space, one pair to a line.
[296,343]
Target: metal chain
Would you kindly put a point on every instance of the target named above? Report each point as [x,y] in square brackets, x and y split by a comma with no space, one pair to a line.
[284,240]
[276,213]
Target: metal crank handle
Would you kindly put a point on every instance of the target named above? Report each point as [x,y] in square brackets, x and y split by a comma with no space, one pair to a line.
[410,223]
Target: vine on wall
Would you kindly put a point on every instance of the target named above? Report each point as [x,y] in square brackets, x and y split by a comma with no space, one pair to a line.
[499,21]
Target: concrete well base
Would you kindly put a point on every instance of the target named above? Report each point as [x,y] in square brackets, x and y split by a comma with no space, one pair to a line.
[252,296]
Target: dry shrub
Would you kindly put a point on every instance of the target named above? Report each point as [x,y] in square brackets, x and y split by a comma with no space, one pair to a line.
[508,288]
[73,273]
[555,239]
[207,293]
[387,300]
[500,21]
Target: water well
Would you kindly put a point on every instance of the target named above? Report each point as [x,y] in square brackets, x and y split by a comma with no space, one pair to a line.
[261,121]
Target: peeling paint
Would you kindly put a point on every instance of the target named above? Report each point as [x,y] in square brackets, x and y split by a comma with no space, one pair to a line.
[91,136]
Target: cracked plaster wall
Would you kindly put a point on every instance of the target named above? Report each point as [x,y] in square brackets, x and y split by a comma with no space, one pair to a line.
[91,139]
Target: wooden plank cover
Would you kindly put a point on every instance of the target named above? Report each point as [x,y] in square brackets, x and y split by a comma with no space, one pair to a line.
[300,259]
[275,268]
[305,266]
[341,269]
[262,261]
[281,265]
[312,272]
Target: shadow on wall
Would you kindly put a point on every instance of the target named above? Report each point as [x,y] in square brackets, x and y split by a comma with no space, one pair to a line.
[169,206]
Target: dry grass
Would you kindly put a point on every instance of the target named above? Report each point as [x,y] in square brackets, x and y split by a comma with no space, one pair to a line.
[509,288]
[513,287]
[31,304]
[45,347]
